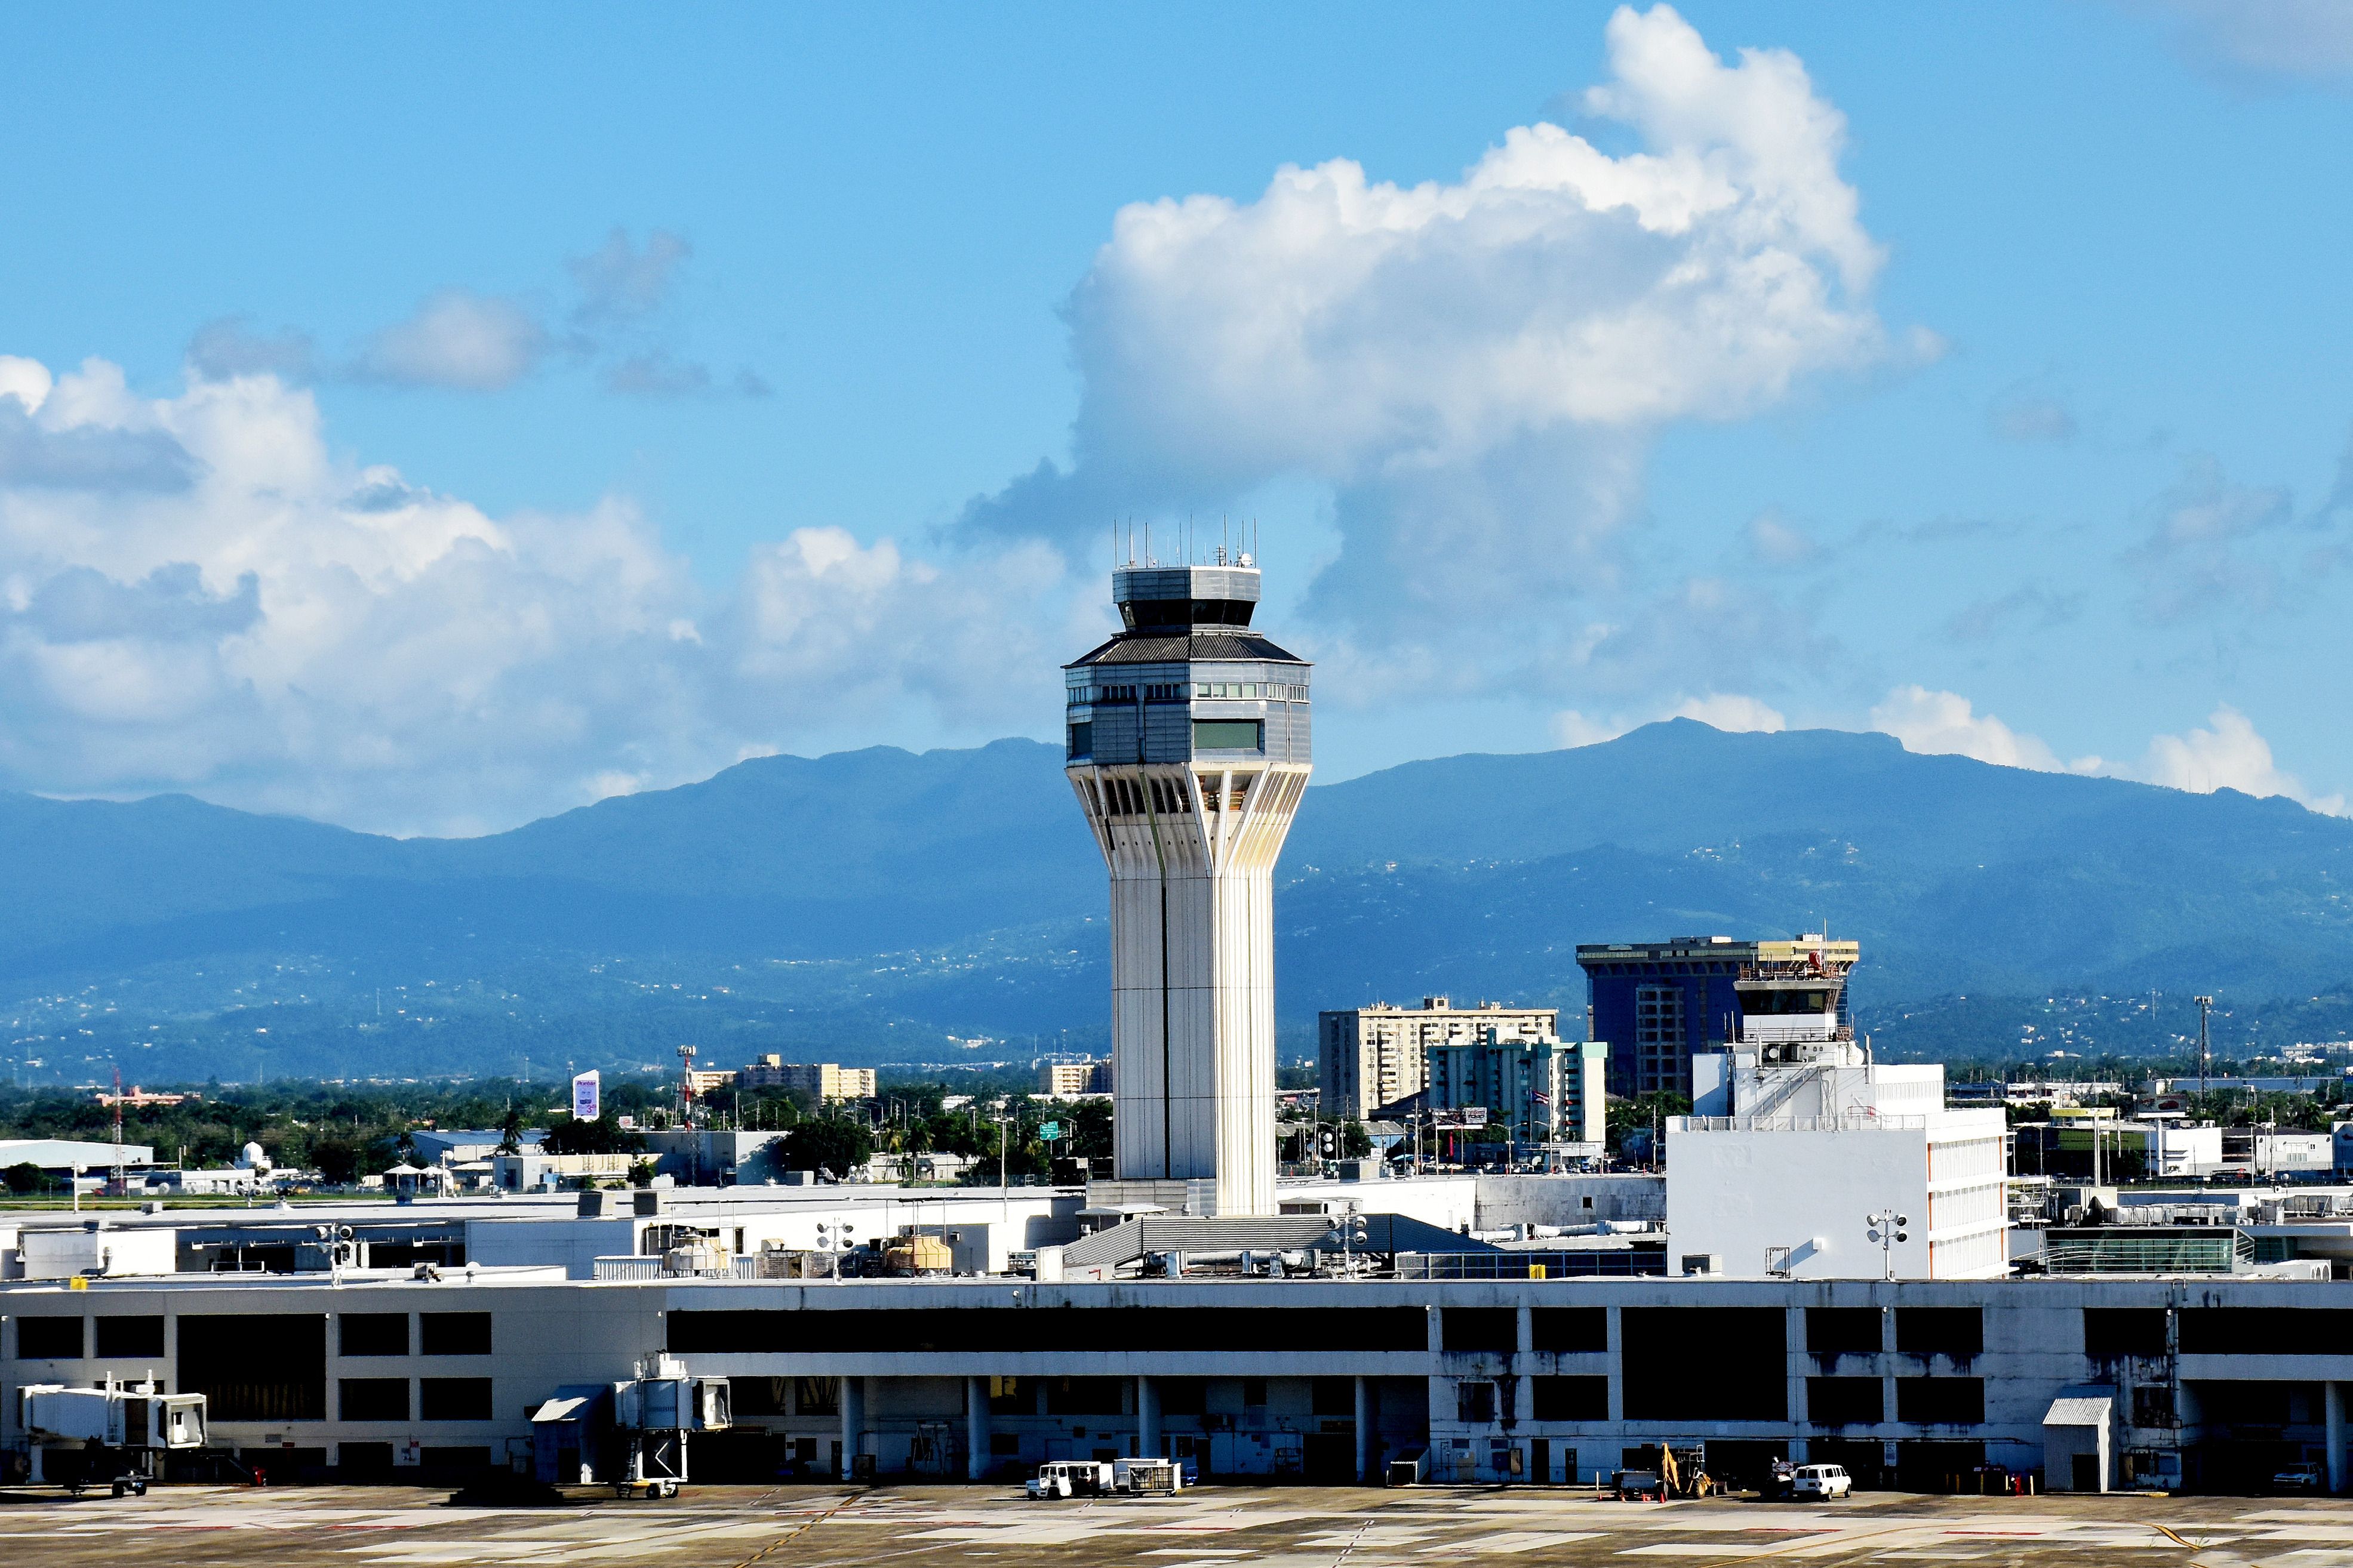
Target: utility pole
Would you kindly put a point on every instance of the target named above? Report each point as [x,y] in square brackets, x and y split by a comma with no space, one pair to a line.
[1004,1199]
[2205,1044]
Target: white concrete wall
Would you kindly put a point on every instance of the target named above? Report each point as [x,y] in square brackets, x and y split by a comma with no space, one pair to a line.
[1735,1193]
[1563,1200]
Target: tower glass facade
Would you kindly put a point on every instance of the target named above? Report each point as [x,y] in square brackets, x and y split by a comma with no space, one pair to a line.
[1190,749]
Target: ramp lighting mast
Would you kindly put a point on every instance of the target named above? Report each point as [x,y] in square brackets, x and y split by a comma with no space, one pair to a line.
[1887,1228]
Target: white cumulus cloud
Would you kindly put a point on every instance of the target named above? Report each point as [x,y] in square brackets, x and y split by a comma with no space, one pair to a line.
[475,343]
[1473,368]
[1944,724]
[1728,712]
[1731,712]
[2261,40]
[2227,754]
[197,592]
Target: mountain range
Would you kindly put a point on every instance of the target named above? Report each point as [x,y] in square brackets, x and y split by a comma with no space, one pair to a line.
[881,905]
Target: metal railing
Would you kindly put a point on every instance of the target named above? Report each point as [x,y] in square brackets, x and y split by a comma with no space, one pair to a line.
[744,1267]
[1845,1121]
[1586,1264]
[2121,1250]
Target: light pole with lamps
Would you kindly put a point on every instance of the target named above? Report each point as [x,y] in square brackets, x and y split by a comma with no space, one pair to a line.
[1887,1228]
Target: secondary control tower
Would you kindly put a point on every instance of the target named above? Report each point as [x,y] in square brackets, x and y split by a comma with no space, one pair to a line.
[1188,748]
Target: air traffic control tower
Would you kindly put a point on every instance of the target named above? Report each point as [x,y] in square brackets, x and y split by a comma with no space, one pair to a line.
[1188,748]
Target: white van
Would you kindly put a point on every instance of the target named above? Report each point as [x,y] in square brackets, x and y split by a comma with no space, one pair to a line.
[1821,1481]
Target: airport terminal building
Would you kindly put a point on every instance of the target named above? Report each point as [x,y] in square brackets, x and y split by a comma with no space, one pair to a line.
[1495,1327]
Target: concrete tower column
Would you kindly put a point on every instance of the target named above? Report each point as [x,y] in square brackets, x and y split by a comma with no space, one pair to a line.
[1794,1339]
[1368,1416]
[853,1423]
[2332,1400]
[1147,1418]
[976,1428]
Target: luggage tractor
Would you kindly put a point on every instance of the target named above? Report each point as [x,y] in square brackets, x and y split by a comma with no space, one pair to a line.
[81,1437]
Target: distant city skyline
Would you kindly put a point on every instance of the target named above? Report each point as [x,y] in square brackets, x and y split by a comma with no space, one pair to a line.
[530,414]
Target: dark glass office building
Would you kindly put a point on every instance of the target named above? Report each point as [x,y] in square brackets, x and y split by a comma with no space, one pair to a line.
[1656,1003]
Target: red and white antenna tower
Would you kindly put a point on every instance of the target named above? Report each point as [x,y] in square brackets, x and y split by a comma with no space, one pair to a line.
[119,1172]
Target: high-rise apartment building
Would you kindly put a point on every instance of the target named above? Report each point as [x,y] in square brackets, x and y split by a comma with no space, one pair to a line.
[1370,1056]
[1190,752]
[823,1081]
[1067,1080]
[1657,1003]
[1544,1090]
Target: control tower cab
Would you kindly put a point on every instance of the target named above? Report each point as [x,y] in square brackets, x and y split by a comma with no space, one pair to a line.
[1190,752]
[1792,999]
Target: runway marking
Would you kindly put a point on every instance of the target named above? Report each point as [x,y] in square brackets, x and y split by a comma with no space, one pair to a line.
[799,1530]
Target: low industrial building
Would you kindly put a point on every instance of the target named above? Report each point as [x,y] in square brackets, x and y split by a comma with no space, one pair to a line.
[61,1156]
[459,1146]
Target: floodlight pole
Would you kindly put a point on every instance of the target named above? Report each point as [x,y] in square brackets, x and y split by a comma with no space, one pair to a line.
[1888,1229]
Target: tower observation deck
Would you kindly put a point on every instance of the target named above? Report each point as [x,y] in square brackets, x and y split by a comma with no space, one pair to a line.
[1190,752]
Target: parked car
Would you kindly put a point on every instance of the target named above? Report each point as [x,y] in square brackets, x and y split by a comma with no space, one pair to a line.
[1821,1481]
[2302,1479]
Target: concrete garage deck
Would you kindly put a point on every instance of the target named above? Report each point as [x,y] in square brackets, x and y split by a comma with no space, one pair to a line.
[1210,1527]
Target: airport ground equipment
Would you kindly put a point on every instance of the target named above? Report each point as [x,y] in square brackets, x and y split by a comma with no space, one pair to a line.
[1147,1476]
[1073,1477]
[655,1413]
[573,1442]
[1666,1472]
[110,1432]
[632,1436]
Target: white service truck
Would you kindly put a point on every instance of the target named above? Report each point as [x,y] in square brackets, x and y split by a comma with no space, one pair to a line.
[1073,1477]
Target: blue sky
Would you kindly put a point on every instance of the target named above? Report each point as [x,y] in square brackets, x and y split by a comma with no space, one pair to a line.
[497,412]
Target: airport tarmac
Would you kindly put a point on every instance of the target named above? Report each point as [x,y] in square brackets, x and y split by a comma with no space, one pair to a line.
[1213,1527]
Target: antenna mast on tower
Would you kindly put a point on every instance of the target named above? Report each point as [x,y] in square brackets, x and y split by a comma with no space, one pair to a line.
[2205,1047]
